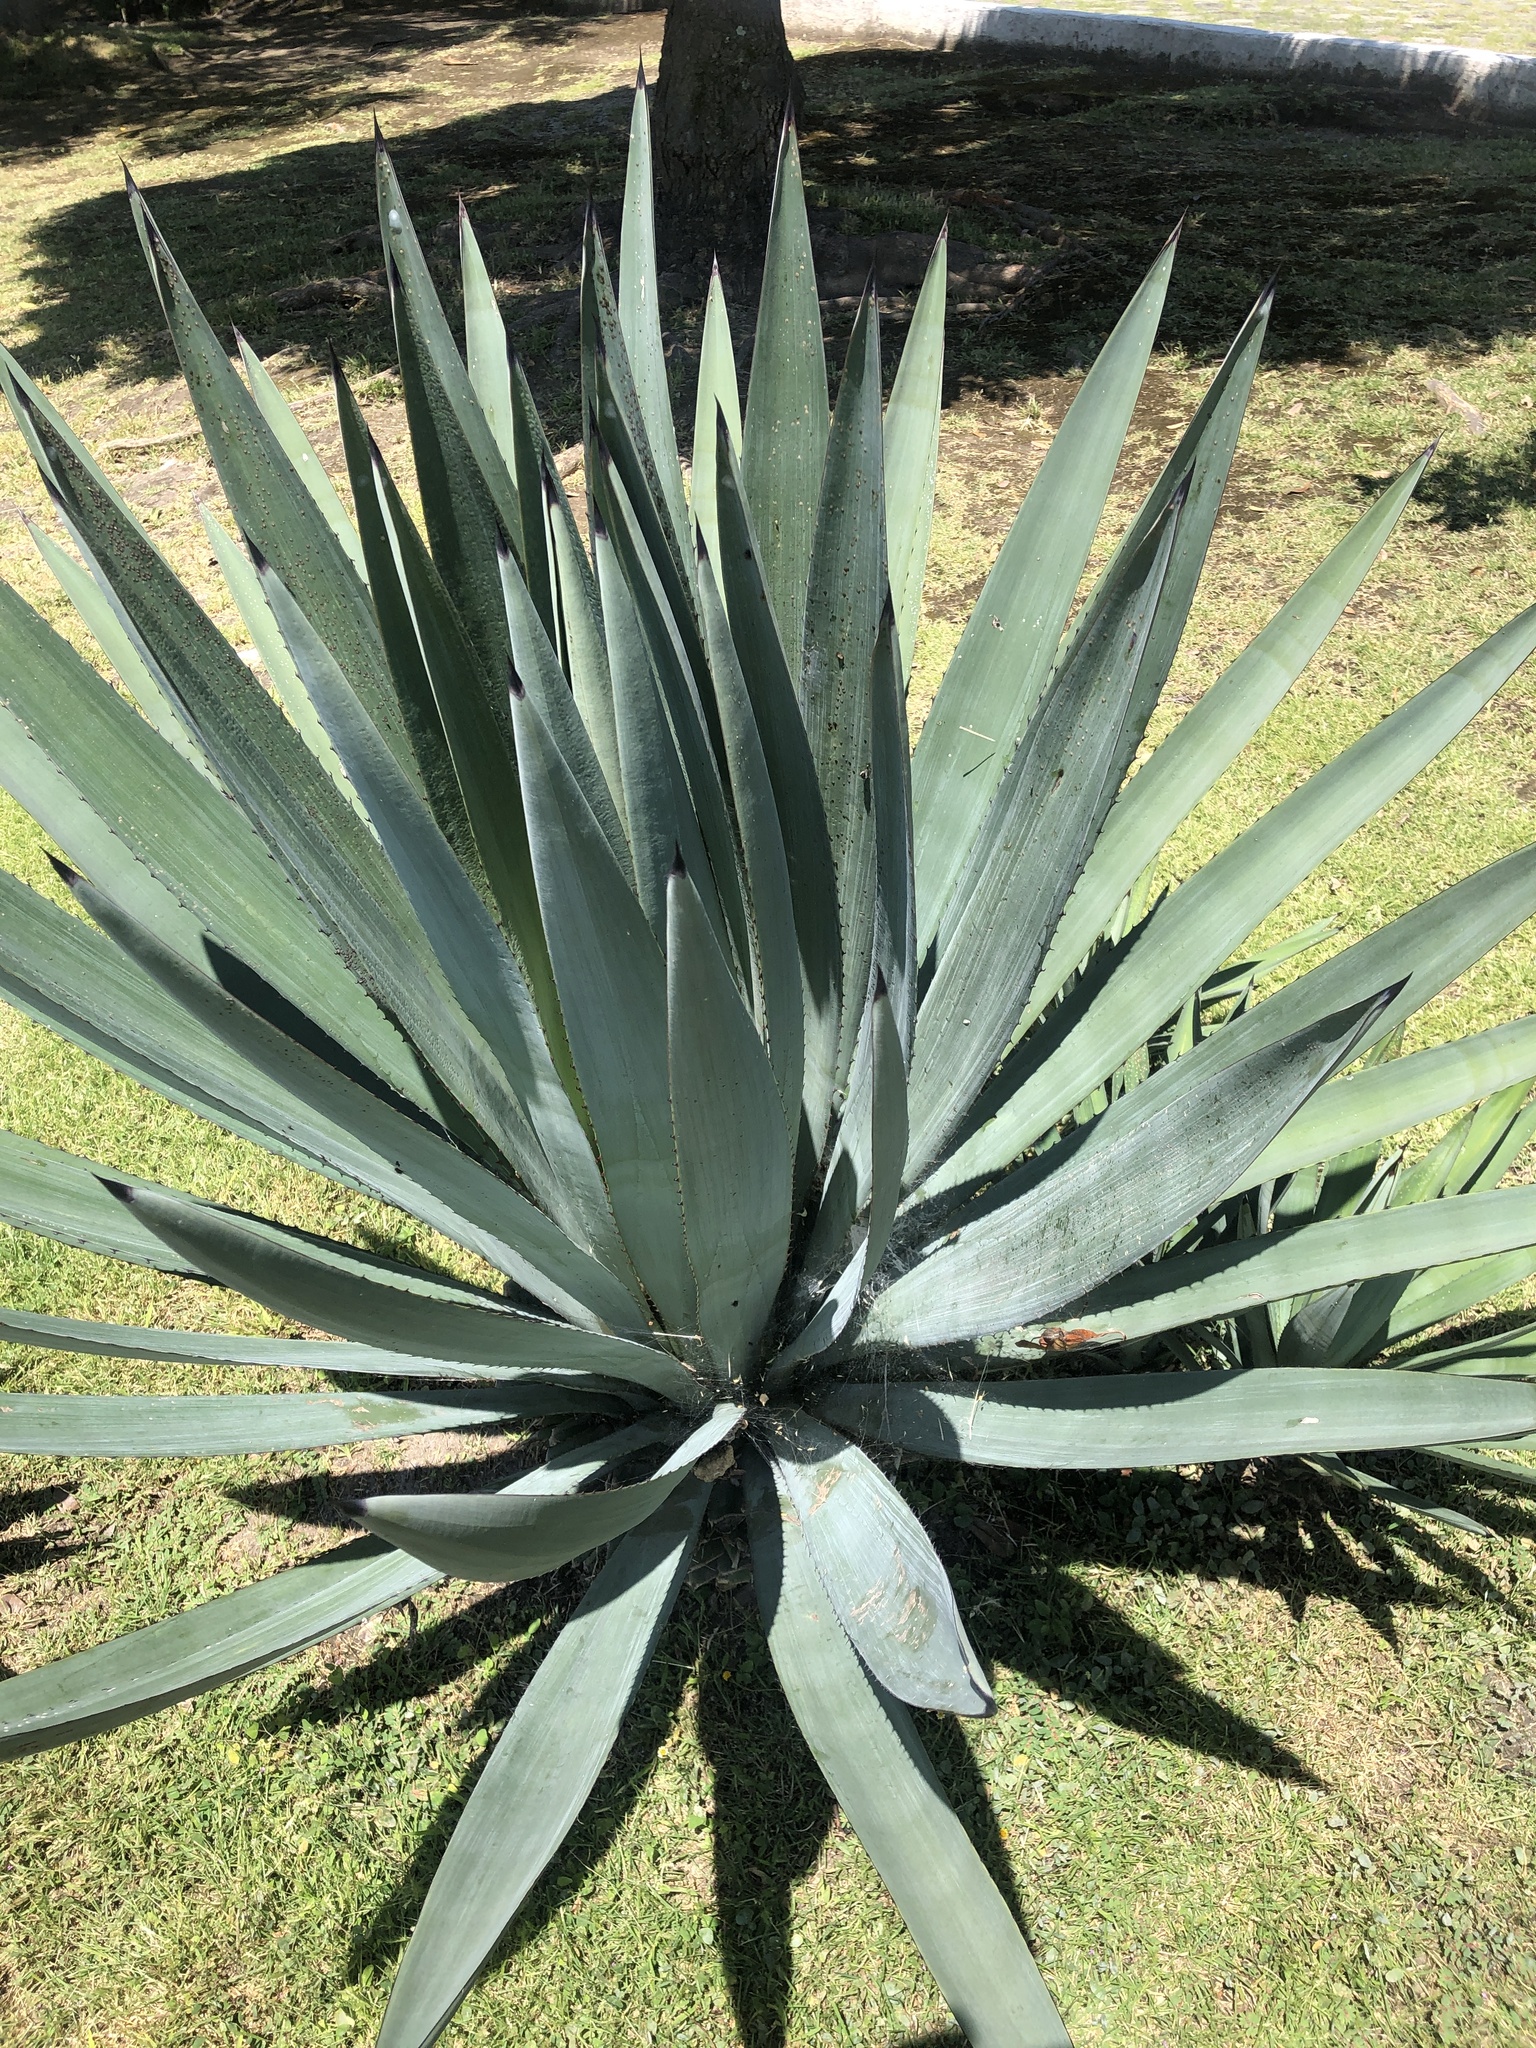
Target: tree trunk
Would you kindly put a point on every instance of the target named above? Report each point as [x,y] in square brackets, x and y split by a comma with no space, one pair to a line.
[726,78]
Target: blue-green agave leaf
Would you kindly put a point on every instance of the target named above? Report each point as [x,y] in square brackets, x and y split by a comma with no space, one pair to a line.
[867,1748]
[543,1767]
[612,981]
[1198,926]
[1029,848]
[784,434]
[717,395]
[233,1425]
[912,450]
[733,1147]
[640,311]
[1175,1418]
[354,1294]
[1007,650]
[881,1573]
[500,1537]
[1132,1179]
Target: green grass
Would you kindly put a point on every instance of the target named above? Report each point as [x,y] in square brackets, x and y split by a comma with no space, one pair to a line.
[1263,1769]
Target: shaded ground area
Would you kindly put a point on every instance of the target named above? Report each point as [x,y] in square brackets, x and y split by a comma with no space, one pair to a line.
[1383,225]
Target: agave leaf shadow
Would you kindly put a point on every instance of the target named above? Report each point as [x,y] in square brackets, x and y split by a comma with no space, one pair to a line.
[16,1507]
[27,1553]
[1473,486]
[773,1812]
[388,1928]
[429,1655]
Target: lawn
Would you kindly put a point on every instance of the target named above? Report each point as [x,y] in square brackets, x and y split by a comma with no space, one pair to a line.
[1263,1767]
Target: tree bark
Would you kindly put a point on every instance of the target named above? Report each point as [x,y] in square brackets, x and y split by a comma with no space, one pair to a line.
[726,78]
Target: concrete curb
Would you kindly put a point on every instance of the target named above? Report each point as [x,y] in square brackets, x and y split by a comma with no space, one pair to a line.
[1477,83]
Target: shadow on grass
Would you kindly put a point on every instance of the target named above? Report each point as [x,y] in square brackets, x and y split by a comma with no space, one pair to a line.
[1383,228]
[1014,1544]
[275,63]
[385,1934]
[28,1553]
[1468,487]
[773,1812]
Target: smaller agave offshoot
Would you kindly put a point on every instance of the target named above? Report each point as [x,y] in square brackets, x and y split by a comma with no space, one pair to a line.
[580,897]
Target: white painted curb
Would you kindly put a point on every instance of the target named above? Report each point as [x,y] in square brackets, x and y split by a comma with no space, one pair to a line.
[1474,82]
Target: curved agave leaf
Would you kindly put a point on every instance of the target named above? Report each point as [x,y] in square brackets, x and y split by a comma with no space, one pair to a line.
[733,1158]
[1198,1286]
[998,671]
[543,1767]
[138,672]
[717,395]
[1491,1471]
[431,772]
[1210,736]
[485,976]
[792,771]
[340,1125]
[653,787]
[210,1645]
[912,450]
[866,1165]
[765,863]
[300,451]
[467,493]
[881,1573]
[60,1195]
[784,433]
[1029,847]
[524,1531]
[271,502]
[1341,1473]
[1197,927]
[57,970]
[847,602]
[612,982]
[1512,1351]
[377,1301]
[582,649]
[538,668]
[614,418]
[680,669]
[486,357]
[239,573]
[865,1744]
[1398,1094]
[1197,472]
[574,1389]
[539,506]
[161,840]
[640,312]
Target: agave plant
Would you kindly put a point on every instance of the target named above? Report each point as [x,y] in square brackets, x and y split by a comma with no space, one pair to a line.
[577,893]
